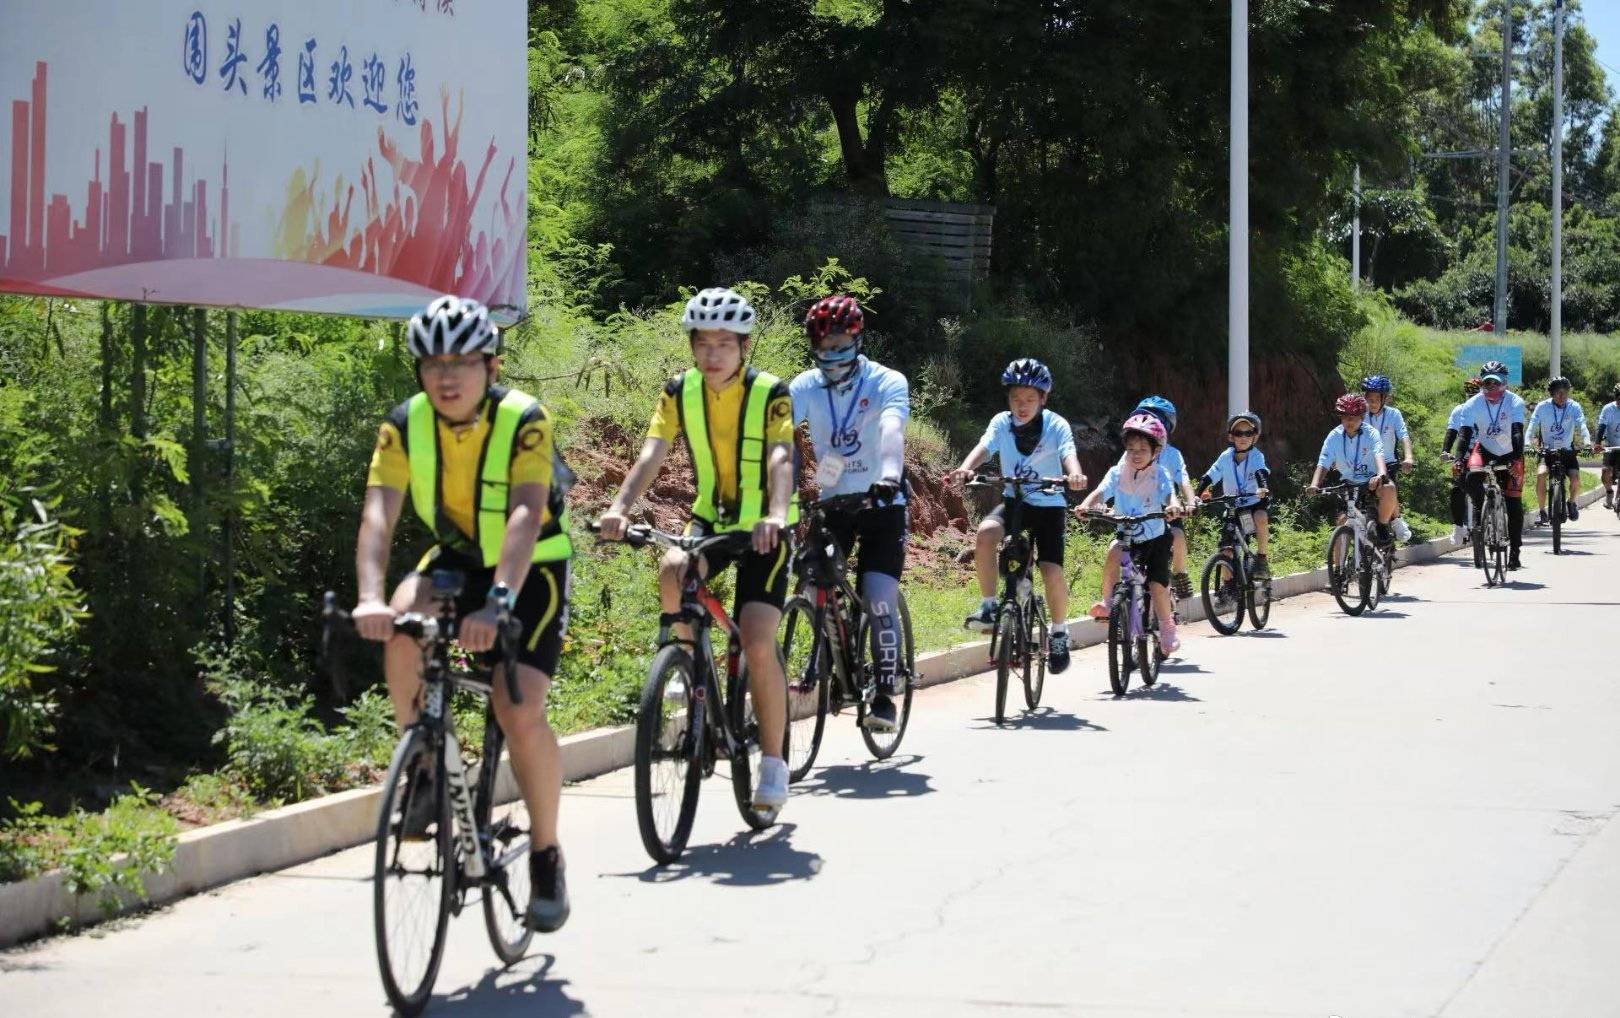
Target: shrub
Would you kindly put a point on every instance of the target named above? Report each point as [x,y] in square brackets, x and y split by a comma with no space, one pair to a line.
[41,607]
[87,845]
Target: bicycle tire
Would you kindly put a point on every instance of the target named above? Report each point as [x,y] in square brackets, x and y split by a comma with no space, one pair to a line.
[1009,634]
[1036,639]
[1119,644]
[665,772]
[508,934]
[410,991]
[745,730]
[805,647]
[883,745]
[1497,541]
[1221,572]
[1259,601]
[1147,644]
[1341,563]
[1372,575]
[1555,510]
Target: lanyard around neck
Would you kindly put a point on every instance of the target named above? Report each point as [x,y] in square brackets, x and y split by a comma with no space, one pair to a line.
[839,427]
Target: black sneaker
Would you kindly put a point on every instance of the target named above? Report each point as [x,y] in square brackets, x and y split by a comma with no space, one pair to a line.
[421,807]
[548,891]
[982,620]
[1262,568]
[1541,517]
[1057,652]
[1513,561]
[1572,511]
[881,716]
[1608,500]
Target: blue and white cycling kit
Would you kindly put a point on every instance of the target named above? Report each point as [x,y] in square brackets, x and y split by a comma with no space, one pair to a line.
[1238,478]
[1558,425]
[1493,422]
[1609,424]
[846,421]
[1175,465]
[1454,421]
[1045,460]
[1148,494]
[1390,424]
[1355,457]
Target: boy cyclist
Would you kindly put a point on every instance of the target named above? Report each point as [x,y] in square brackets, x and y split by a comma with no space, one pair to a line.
[481,468]
[1030,442]
[738,424]
[1175,465]
[1553,426]
[1240,471]
[1390,424]
[856,410]
[1608,444]
[1355,451]
[1492,430]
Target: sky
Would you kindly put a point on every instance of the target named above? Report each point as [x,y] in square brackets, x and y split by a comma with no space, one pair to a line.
[1603,21]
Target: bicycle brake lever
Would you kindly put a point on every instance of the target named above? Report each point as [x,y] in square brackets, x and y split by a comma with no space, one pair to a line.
[509,630]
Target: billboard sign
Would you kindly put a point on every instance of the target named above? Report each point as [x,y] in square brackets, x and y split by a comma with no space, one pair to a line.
[344,156]
[1469,358]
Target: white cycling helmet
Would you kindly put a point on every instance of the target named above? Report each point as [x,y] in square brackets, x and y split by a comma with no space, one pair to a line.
[453,325]
[719,308]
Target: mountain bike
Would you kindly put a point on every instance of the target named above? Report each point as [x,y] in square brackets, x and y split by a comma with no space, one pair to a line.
[1133,625]
[1018,643]
[825,637]
[1229,584]
[1490,532]
[684,724]
[420,879]
[1557,495]
[1359,568]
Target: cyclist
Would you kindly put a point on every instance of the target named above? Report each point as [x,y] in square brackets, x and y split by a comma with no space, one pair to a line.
[1030,441]
[738,425]
[855,410]
[1240,470]
[479,462]
[1493,432]
[1553,425]
[1171,459]
[1459,497]
[1390,424]
[1355,451]
[1609,432]
[1140,484]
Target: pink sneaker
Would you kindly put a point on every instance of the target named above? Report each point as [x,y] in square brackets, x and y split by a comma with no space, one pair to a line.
[1099,611]
[1169,642]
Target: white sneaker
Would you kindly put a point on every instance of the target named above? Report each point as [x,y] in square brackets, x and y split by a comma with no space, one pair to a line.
[1403,533]
[1459,534]
[772,791]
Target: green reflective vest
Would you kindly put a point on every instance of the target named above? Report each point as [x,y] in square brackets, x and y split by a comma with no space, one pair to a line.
[752,477]
[494,479]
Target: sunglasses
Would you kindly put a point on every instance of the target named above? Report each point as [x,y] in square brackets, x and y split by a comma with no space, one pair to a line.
[1243,434]
[1491,383]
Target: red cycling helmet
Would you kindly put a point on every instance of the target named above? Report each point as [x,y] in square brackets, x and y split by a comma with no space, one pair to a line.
[834,314]
[1350,403]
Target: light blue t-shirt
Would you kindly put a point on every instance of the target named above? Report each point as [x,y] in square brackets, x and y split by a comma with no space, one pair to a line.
[1355,457]
[1390,424]
[1558,425]
[1056,442]
[847,420]
[1455,421]
[1238,478]
[1609,424]
[1493,422]
[1127,504]
[1175,465]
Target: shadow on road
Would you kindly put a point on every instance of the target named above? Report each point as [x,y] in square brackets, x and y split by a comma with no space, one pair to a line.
[1041,719]
[1162,691]
[751,859]
[872,779]
[514,991]
[1265,634]
[1180,666]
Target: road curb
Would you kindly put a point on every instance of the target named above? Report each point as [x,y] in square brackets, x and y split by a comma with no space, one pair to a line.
[276,839]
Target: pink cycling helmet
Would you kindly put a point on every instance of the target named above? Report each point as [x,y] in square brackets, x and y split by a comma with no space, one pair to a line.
[1144,424]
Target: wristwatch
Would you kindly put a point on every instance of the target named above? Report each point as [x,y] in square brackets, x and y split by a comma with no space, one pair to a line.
[501,596]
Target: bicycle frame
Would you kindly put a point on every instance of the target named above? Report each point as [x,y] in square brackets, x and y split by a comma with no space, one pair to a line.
[1352,514]
[702,610]
[822,563]
[1135,581]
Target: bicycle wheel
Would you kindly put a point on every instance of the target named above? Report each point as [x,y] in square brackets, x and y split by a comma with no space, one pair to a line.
[669,748]
[1342,578]
[1009,653]
[1035,638]
[1496,539]
[1119,644]
[1371,573]
[883,744]
[506,893]
[413,879]
[1223,596]
[1147,642]
[1259,601]
[1555,510]
[745,729]
[808,654]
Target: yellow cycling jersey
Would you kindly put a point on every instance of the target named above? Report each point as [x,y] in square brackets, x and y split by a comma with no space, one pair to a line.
[724,410]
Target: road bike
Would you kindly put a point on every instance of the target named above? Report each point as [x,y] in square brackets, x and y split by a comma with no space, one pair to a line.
[825,639]
[1018,641]
[1490,532]
[1133,625]
[684,724]
[1229,584]
[421,878]
[1360,568]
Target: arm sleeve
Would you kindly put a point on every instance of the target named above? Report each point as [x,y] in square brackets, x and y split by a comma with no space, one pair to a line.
[1451,436]
[389,466]
[1262,478]
[1518,440]
[1601,427]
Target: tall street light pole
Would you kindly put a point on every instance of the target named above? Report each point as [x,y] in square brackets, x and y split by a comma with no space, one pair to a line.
[1557,192]
[1504,150]
[1355,235]
[1237,288]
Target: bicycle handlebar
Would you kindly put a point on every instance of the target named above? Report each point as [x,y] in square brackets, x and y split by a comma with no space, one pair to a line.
[641,535]
[420,626]
[1043,484]
[1093,516]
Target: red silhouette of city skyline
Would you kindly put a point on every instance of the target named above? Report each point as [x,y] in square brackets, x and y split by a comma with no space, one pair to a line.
[124,218]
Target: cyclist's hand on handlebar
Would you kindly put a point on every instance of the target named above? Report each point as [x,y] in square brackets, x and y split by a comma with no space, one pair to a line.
[1076,481]
[766,533]
[884,492]
[373,620]
[960,475]
[1375,482]
[1407,466]
[1263,492]
[477,631]
[1312,489]
[612,525]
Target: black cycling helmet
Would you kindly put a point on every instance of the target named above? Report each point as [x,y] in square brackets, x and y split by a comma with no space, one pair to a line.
[1553,385]
[1496,368]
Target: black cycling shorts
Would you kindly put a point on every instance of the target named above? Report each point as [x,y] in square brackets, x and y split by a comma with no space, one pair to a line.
[881,531]
[1047,525]
[1152,558]
[762,578]
[541,609]
[1571,462]
[1611,458]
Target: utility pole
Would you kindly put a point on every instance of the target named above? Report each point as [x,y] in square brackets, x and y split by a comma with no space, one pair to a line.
[1237,285]
[1556,346]
[229,564]
[1504,152]
[1355,235]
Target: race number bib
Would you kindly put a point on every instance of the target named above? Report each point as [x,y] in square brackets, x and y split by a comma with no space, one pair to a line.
[829,470]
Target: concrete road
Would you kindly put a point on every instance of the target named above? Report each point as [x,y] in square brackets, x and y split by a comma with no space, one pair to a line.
[1410,813]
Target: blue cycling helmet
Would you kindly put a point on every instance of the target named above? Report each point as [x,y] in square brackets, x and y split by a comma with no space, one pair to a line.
[1027,371]
[1161,408]
[1377,383]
